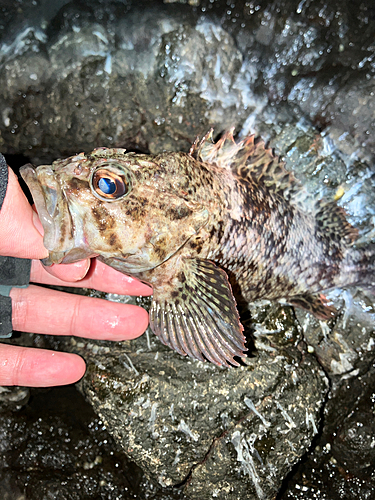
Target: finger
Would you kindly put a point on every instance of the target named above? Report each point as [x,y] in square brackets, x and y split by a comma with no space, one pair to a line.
[18,235]
[69,272]
[100,277]
[41,310]
[38,367]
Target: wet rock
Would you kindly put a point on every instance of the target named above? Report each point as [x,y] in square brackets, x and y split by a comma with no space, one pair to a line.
[339,107]
[150,78]
[341,463]
[317,56]
[56,447]
[341,345]
[213,432]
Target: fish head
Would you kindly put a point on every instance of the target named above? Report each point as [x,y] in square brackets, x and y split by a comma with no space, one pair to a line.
[122,207]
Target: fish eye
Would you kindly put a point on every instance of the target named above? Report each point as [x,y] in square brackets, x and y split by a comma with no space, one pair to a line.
[110,184]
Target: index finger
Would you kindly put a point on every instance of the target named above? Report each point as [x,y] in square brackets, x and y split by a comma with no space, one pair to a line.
[99,277]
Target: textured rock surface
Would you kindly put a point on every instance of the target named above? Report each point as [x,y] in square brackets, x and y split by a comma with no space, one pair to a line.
[224,433]
[341,463]
[151,78]
[58,448]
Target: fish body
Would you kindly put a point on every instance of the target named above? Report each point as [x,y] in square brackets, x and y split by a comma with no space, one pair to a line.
[194,225]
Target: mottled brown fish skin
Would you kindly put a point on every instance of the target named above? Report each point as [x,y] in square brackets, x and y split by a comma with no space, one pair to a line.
[185,222]
[272,249]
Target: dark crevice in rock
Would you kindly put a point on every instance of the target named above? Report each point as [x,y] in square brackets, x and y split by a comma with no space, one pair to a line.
[214,443]
[296,467]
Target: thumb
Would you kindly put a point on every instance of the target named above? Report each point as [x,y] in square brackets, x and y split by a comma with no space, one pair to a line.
[19,236]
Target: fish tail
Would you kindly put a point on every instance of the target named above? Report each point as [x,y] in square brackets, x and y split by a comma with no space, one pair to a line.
[367,267]
[359,268]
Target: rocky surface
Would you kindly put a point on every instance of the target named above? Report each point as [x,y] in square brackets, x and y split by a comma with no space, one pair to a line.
[150,76]
[223,433]
[340,465]
[56,447]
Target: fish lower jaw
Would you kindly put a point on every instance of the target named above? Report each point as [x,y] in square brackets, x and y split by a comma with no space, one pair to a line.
[70,257]
[53,258]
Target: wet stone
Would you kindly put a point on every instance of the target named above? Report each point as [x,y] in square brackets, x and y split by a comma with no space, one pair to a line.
[340,465]
[209,431]
[56,447]
[134,78]
[341,344]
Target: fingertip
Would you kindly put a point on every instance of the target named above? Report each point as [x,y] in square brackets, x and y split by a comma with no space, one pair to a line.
[69,272]
[30,367]
[139,319]
[56,368]
[127,322]
[72,368]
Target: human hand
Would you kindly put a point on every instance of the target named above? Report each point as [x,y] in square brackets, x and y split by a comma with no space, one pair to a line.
[41,310]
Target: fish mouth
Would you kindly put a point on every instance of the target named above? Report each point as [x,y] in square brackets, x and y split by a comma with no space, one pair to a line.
[52,210]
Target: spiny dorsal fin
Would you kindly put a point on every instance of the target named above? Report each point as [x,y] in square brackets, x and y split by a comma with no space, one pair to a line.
[331,219]
[247,158]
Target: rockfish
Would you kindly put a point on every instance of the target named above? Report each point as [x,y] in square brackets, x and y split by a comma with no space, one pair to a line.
[193,224]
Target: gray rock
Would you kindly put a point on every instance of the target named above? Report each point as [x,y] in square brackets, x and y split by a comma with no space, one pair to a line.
[343,456]
[348,110]
[51,450]
[317,56]
[139,79]
[223,433]
[341,345]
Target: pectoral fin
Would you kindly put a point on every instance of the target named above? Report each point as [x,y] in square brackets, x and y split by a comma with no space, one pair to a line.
[197,314]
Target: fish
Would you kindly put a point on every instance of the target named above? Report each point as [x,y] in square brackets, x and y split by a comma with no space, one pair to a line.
[224,220]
